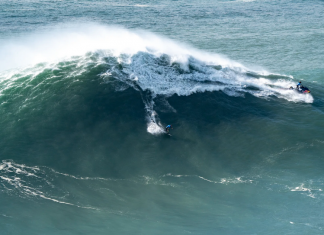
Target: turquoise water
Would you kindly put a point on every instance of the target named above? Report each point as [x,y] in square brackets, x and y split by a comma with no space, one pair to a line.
[86,88]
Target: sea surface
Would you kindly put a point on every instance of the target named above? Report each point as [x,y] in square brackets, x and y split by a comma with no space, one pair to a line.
[87,87]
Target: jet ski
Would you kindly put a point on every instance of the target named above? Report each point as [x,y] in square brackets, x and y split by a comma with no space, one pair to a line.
[301,89]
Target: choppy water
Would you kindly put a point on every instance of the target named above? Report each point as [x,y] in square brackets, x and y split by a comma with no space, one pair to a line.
[86,89]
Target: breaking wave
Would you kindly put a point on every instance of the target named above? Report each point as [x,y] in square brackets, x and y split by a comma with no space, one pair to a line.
[152,64]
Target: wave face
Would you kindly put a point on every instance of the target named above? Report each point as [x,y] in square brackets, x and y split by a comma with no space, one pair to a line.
[83,148]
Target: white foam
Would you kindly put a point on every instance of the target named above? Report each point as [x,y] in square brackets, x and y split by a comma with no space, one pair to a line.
[302,188]
[66,203]
[154,128]
[138,5]
[151,180]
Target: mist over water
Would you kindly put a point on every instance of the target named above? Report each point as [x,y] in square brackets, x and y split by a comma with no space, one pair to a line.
[87,89]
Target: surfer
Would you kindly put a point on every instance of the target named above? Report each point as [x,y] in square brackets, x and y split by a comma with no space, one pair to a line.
[299,85]
[167,128]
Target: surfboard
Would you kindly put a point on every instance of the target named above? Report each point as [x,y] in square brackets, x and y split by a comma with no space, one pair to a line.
[168,134]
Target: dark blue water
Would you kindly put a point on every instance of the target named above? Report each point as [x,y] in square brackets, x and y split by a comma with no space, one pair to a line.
[86,89]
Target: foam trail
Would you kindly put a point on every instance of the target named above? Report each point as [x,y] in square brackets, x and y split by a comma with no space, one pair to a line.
[154,126]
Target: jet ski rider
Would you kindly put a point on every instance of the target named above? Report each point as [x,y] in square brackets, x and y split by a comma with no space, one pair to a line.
[299,85]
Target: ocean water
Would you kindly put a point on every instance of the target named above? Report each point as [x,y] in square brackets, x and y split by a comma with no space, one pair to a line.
[87,87]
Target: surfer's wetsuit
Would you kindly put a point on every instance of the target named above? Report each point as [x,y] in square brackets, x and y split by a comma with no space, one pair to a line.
[167,128]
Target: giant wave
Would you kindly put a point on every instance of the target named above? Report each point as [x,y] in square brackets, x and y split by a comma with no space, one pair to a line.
[153,65]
